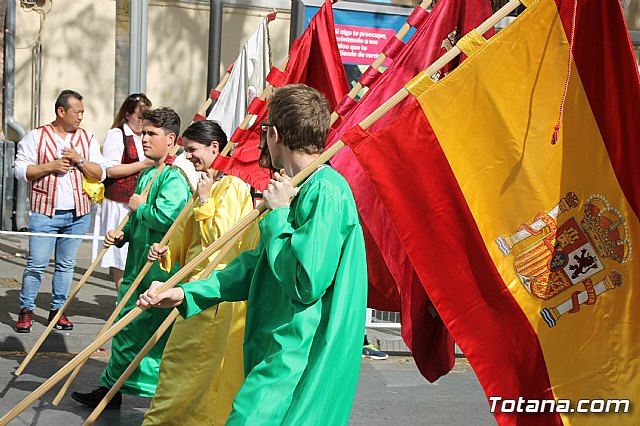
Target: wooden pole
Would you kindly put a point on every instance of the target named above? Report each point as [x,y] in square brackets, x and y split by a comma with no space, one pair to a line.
[243,223]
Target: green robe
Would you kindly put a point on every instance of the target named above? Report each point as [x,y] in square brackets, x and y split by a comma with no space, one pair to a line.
[168,195]
[306,286]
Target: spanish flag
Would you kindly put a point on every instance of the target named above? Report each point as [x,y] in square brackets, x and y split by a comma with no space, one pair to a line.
[524,244]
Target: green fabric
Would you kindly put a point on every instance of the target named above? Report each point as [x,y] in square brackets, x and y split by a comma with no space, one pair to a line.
[168,195]
[306,286]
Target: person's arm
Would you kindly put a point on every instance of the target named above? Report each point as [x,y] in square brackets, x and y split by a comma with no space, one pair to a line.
[230,284]
[26,165]
[226,204]
[92,167]
[172,196]
[304,260]
[37,171]
[124,170]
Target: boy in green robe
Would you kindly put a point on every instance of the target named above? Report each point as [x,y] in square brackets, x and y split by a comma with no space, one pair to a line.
[151,217]
[306,282]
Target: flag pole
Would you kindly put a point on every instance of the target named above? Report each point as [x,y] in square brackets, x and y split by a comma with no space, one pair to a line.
[244,222]
[152,341]
[97,260]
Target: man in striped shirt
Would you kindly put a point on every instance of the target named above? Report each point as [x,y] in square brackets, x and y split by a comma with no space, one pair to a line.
[56,158]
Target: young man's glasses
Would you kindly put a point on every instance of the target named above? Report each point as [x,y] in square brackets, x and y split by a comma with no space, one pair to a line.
[264,126]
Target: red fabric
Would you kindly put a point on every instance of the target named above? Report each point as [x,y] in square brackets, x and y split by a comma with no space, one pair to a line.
[275,77]
[256,106]
[427,338]
[121,189]
[393,47]
[317,61]
[314,60]
[199,117]
[214,94]
[345,105]
[240,135]
[271,16]
[250,172]
[370,76]
[453,265]
[417,17]
[608,71]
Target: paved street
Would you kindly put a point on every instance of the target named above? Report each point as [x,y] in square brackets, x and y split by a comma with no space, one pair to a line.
[390,392]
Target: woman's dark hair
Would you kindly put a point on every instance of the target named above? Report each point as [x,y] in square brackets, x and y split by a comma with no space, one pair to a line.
[205,132]
[129,107]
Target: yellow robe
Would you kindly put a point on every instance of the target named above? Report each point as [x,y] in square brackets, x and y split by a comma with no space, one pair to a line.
[202,365]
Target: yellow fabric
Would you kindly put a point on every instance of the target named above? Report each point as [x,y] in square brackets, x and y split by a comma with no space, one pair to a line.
[494,117]
[471,42]
[95,190]
[419,83]
[202,364]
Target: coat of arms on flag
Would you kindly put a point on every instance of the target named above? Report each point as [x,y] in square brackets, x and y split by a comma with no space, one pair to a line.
[551,259]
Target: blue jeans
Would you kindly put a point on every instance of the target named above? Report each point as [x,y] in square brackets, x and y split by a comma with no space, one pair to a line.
[63,222]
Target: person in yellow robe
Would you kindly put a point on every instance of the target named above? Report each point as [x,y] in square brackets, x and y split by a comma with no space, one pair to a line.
[202,365]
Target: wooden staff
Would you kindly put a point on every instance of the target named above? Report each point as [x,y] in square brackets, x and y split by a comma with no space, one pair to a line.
[244,222]
[154,339]
[97,260]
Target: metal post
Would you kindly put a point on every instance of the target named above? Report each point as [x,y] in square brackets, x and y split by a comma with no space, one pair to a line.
[138,23]
[215,44]
[296,24]
[22,196]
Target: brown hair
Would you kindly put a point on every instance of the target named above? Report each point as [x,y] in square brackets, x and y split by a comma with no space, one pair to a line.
[164,118]
[301,115]
[129,107]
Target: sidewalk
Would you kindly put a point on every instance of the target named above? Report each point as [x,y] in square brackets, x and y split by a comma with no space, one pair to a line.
[92,307]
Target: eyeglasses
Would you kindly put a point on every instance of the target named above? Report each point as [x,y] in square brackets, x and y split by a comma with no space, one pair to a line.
[264,126]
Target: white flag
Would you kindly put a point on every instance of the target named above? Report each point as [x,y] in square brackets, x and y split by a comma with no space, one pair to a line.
[247,80]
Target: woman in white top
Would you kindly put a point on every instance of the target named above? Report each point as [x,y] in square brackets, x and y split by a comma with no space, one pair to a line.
[124,160]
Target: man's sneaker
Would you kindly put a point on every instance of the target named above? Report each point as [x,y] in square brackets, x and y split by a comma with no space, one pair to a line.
[370,351]
[25,321]
[63,322]
[92,399]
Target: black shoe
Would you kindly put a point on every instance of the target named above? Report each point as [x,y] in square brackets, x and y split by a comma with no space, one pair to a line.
[92,399]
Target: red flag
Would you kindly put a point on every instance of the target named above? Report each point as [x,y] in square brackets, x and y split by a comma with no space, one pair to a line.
[314,60]
[539,319]
[422,329]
